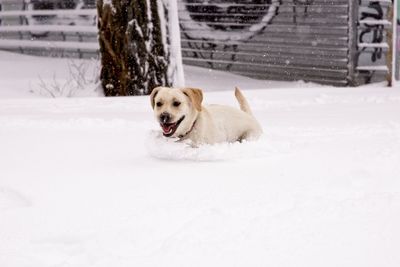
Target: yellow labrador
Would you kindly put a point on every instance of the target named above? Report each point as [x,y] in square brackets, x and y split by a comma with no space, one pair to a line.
[181,115]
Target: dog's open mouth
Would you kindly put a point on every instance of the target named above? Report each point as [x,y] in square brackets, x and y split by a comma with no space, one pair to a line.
[170,128]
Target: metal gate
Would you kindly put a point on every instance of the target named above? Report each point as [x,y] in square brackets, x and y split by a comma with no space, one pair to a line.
[311,40]
[336,42]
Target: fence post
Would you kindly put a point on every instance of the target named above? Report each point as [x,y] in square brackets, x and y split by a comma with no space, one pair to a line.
[395,52]
[353,40]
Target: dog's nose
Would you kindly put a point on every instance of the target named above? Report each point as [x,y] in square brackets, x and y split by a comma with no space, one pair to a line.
[165,117]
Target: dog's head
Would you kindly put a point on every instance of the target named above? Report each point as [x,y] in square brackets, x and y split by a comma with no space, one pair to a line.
[176,109]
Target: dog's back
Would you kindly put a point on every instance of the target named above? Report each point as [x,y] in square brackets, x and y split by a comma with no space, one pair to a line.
[234,124]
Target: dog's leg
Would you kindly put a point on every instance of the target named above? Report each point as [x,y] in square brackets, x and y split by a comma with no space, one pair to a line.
[250,135]
[186,142]
[241,138]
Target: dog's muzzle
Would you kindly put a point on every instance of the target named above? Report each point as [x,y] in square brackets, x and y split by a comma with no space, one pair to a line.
[170,128]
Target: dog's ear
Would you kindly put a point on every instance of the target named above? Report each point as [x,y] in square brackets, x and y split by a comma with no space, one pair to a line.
[153,94]
[195,95]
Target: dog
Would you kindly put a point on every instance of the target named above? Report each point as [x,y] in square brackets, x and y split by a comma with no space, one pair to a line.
[181,115]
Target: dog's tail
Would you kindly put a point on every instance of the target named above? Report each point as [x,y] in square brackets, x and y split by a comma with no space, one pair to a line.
[244,105]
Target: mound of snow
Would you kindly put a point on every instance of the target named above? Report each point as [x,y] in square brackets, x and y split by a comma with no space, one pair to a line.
[164,148]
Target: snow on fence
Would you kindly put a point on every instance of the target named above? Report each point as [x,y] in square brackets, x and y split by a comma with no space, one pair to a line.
[341,42]
[51,31]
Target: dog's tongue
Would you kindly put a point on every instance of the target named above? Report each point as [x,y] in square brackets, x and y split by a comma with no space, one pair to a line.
[167,128]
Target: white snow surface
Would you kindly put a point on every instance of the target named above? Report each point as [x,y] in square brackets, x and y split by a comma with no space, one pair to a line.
[90,181]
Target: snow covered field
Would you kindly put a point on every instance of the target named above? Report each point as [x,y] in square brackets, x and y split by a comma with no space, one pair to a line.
[87,182]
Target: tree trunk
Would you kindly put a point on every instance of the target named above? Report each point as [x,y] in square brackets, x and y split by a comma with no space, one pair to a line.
[133,46]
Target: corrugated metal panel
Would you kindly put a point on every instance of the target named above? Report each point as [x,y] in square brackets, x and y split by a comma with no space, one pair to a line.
[268,39]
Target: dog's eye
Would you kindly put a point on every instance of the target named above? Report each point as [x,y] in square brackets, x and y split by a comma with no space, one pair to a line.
[176,103]
[159,104]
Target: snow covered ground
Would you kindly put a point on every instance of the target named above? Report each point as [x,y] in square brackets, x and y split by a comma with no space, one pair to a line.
[87,182]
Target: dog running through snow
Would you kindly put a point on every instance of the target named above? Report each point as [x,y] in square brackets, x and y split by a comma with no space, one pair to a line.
[181,115]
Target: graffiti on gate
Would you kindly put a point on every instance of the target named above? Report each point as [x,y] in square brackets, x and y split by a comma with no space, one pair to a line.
[228,21]
[373,33]
[211,25]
